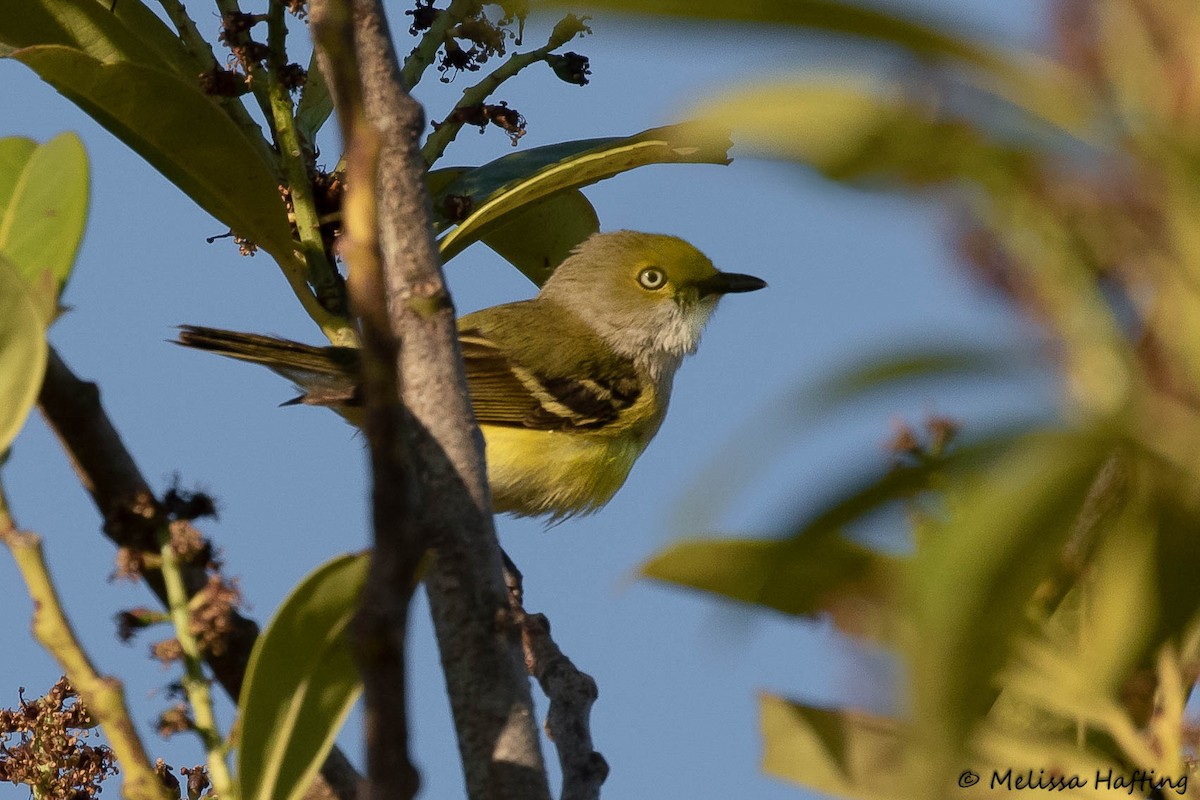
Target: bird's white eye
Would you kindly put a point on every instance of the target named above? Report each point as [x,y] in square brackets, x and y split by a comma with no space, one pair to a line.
[652,278]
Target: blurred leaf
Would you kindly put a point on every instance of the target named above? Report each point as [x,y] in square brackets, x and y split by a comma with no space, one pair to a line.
[858,129]
[301,683]
[857,19]
[181,132]
[767,435]
[511,184]
[23,352]
[896,371]
[540,237]
[804,576]
[43,211]
[816,569]
[1011,753]
[1027,80]
[973,581]
[316,104]
[109,32]
[842,753]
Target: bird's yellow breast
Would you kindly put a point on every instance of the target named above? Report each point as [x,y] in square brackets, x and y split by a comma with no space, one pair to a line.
[563,473]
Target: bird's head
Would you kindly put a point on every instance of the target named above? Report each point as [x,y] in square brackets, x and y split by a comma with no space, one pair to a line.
[649,295]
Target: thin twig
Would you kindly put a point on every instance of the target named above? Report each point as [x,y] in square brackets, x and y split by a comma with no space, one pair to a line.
[423,55]
[128,507]
[104,697]
[325,281]
[195,682]
[571,693]
[441,138]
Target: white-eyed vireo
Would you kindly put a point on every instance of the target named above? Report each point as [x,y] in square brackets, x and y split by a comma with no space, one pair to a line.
[568,387]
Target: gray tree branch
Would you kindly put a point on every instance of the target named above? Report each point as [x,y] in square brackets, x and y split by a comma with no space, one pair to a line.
[478,637]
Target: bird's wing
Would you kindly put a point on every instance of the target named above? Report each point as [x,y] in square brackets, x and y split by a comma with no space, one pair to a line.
[508,391]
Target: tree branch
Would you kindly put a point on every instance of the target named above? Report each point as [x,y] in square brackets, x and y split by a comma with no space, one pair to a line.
[571,693]
[103,696]
[127,504]
[478,640]
[381,623]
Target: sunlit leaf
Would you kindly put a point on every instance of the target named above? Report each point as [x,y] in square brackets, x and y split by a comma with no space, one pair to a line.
[300,684]
[515,182]
[1005,756]
[43,210]
[23,352]
[180,131]
[109,32]
[841,753]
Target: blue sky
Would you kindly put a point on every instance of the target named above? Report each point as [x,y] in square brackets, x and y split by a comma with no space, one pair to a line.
[850,274]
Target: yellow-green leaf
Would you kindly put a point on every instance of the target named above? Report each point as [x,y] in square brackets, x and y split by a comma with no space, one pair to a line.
[300,684]
[109,32]
[182,132]
[513,183]
[859,588]
[23,353]
[973,579]
[842,753]
[43,211]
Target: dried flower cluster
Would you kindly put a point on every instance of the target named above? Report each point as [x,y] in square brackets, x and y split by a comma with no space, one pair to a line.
[42,746]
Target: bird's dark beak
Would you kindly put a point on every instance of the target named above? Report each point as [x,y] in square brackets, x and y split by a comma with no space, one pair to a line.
[729,283]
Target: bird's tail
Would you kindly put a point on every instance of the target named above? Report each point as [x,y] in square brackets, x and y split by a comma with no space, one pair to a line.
[328,375]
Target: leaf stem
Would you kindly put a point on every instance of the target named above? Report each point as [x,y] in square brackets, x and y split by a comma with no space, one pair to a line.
[325,281]
[195,682]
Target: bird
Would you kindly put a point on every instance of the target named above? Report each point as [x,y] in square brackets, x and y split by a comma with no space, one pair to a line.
[568,387]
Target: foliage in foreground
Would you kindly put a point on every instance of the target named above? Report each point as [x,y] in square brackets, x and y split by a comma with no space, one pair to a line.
[1046,612]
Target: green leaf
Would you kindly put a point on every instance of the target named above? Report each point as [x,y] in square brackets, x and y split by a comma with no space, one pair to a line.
[842,753]
[23,353]
[804,576]
[300,684]
[511,184]
[43,211]
[110,32]
[181,132]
